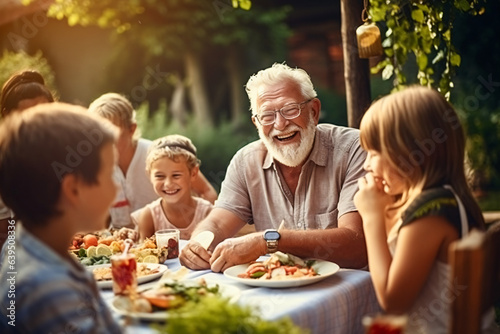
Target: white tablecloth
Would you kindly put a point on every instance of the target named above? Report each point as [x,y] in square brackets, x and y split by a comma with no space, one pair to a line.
[333,305]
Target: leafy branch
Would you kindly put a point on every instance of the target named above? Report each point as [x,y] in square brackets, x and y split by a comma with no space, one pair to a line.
[424,29]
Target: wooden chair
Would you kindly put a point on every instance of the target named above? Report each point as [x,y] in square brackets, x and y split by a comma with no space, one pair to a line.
[475,268]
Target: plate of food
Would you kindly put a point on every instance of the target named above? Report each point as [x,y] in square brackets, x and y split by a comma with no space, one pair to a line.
[155,300]
[145,272]
[282,270]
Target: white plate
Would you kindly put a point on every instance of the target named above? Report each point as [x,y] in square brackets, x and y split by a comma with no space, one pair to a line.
[323,268]
[227,291]
[142,279]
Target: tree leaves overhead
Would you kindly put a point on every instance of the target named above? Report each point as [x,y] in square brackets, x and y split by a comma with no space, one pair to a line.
[169,27]
[423,30]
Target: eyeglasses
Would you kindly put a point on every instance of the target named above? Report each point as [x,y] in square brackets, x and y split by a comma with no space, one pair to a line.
[289,111]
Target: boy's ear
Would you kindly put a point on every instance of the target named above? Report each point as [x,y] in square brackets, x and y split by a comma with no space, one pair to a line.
[70,188]
[133,127]
[194,171]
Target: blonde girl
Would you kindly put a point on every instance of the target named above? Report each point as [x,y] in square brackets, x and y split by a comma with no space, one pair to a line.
[414,201]
[172,167]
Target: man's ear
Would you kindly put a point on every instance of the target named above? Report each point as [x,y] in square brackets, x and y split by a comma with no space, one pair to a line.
[316,108]
[254,120]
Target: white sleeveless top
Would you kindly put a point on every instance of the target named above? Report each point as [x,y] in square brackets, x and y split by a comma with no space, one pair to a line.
[160,220]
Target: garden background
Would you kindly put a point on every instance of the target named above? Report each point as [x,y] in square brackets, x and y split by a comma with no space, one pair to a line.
[183,64]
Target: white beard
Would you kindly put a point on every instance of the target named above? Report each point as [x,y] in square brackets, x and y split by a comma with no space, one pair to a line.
[291,155]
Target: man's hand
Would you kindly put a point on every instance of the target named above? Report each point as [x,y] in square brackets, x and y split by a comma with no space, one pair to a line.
[222,224]
[194,256]
[236,251]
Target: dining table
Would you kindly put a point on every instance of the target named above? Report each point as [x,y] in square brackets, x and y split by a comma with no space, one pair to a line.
[335,304]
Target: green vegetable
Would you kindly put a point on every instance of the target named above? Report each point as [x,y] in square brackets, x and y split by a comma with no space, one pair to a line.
[192,292]
[86,261]
[82,252]
[257,274]
[310,263]
[95,260]
[217,315]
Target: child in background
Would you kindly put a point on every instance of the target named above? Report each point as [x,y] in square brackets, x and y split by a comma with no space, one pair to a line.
[172,167]
[414,202]
[56,167]
[135,190]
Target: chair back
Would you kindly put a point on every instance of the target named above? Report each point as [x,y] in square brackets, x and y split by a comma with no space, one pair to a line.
[475,275]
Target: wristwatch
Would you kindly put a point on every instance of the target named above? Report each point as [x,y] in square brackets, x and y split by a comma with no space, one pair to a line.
[271,237]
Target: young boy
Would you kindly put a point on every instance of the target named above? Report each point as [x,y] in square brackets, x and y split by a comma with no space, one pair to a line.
[56,165]
[172,166]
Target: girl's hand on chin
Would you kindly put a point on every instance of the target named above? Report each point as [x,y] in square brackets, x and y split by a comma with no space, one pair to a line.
[371,198]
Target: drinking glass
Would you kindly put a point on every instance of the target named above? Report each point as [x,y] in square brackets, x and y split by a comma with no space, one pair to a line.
[124,273]
[168,239]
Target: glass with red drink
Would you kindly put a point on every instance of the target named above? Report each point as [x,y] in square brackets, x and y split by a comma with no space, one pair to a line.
[385,324]
[168,239]
[124,273]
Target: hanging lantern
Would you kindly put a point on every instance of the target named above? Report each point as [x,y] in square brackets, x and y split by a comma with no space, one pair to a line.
[369,40]
[368,36]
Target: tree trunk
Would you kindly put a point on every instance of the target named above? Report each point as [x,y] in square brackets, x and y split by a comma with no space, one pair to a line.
[178,103]
[356,70]
[236,84]
[198,91]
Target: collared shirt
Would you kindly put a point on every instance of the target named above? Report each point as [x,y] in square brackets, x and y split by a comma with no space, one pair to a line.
[43,293]
[256,192]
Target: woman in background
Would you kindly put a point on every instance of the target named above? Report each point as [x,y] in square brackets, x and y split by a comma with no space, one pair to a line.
[22,90]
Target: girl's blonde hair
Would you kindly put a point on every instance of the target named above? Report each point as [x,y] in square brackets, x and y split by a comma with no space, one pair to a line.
[420,135]
[172,147]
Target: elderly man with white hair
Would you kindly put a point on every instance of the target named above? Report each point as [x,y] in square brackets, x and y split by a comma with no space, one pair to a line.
[296,184]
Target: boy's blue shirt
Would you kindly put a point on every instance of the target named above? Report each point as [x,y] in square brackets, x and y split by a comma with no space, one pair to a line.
[41,292]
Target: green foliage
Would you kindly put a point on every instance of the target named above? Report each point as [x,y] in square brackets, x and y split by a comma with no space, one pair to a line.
[490,202]
[218,316]
[244,4]
[12,62]
[483,129]
[424,30]
[215,145]
[169,27]
[333,107]
[476,93]
[103,13]
[158,34]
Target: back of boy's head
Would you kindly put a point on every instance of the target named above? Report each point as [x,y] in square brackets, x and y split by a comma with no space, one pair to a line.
[39,147]
[172,147]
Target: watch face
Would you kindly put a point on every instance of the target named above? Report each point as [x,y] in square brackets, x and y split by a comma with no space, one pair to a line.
[272,235]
